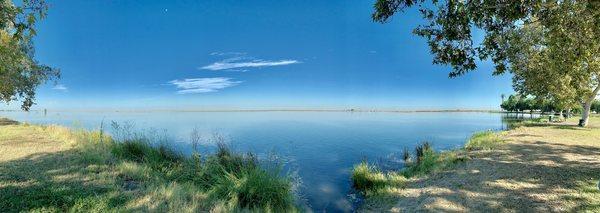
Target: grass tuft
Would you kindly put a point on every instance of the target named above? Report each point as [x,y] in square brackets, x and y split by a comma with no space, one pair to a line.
[255,189]
[368,179]
[406,155]
[486,140]
[421,150]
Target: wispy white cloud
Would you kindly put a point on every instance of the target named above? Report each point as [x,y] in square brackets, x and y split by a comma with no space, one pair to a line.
[60,87]
[202,85]
[227,53]
[238,63]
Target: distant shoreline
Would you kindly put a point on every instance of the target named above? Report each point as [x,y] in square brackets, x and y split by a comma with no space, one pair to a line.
[265,110]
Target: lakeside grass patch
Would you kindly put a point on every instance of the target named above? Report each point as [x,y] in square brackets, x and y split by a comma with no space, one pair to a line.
[380,188]
[486,140]
[433,161]
[369,179]
[561,161]
[52,168]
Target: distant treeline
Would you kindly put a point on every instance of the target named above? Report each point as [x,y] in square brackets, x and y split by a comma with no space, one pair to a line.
[517,103]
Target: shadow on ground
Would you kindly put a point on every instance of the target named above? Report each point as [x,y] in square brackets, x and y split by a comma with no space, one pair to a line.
[55,182]
[525,176]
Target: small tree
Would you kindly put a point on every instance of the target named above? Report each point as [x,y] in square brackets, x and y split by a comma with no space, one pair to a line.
[20,73]
[510,104]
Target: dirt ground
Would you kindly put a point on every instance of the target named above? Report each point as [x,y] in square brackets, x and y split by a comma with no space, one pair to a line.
[540,168]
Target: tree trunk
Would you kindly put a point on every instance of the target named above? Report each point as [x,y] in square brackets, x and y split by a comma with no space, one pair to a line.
[585,116]
[560,115]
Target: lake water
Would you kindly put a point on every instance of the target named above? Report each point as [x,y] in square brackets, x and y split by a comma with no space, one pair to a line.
[320,147]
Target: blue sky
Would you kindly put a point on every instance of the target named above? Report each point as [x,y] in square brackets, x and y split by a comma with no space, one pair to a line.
[246,54]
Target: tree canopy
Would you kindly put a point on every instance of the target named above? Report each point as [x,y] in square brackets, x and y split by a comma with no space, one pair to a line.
[20,73]
[516,103]
[552,47]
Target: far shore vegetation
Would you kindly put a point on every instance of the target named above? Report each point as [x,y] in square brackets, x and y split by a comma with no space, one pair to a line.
[56,169]
[528,104]
[536,166]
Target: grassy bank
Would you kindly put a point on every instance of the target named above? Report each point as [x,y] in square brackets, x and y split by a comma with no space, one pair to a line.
[52,168]
[537,166]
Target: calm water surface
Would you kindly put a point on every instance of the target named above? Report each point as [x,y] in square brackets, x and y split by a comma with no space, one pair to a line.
[321,147]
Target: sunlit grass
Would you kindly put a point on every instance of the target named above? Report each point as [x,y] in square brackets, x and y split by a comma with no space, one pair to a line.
[52,168]
[486,140]
[381,188]
[369,179]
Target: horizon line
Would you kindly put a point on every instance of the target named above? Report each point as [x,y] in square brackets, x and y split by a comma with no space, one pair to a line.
[264,110]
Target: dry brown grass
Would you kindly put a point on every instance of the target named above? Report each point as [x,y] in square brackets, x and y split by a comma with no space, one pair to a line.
[539,168]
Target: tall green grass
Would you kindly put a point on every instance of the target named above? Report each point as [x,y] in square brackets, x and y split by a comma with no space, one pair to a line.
[427,160]
[367,178]
[166,180]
